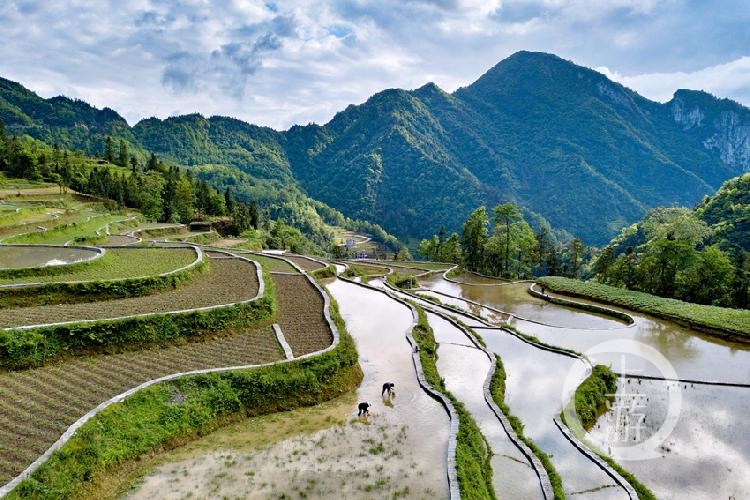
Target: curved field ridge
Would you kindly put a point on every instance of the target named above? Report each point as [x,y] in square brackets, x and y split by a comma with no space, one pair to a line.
[39,404]
[227,282]
[453,486]
[11,272]
[301,311]
[731,324]
[120,263]
[334,334]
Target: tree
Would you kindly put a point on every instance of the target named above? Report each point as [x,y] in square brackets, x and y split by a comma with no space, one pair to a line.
[709,279]
[506,215]
[153,163]
[253,214]
[184,200]
[109,151]
[134,164]
[543,246]
[123,160]
[474,238]
[229,199]
[575,249]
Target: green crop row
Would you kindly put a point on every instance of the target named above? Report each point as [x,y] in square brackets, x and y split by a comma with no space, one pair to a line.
[90,291]
[497,389]
[719,321]
[473,454]
[149,421]
[24,348]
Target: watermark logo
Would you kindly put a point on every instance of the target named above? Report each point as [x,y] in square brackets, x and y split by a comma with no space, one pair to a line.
[623,432]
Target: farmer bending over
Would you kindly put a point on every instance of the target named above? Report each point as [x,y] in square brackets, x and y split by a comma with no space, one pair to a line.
[363,409]
[388,389]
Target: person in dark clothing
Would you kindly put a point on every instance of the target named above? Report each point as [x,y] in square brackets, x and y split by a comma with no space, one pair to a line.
[388,389]
[364,409]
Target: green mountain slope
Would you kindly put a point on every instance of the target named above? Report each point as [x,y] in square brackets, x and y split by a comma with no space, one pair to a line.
[561,141]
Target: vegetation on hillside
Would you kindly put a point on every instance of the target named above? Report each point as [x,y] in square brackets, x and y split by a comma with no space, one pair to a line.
[699,255]
[564,142]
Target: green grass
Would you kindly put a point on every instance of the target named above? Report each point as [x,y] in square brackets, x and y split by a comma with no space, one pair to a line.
[473,454]
[589,399]
[148,422]
[497,389]
[591,396]
[118,263]
[711,319]
[67,232]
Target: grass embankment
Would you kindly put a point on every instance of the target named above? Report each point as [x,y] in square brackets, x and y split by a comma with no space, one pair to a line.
[719,321]
[403,282]
[590,399]
[227,281]
[497,389]
[167,415]
[120,273]
[473,454]
[68,232]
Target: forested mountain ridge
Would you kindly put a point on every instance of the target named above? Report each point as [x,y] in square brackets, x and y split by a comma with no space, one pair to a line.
[561,141]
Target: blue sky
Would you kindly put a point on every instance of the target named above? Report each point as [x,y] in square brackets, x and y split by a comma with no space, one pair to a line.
[278,63]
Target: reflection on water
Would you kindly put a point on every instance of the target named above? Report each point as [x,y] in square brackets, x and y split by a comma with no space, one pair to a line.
[464,370]
[534,388]
[12,257]
[707,455]
[693,355]
[513,298]
[379,325]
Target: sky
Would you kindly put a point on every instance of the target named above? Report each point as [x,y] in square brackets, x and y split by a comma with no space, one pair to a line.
[280,63]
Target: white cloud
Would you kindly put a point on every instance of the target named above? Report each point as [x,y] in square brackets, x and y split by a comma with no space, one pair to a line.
[279,62]
[724,80]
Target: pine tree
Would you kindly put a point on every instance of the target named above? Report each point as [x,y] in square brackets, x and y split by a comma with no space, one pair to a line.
[229,200]
[134,164]
[123,160]
[254,214]
[109,151]
[153,163]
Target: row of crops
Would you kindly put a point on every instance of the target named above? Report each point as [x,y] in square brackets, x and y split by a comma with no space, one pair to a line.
[38,404]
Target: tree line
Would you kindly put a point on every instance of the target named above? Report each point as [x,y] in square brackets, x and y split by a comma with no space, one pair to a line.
[506,246]
[161,192]
[671,253]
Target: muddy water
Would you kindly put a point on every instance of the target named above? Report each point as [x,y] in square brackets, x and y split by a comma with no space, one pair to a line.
[693,355]
[464,369]
[513,299]
[398,451]
[534,393]
[486,314]
[707,456]
[15,257]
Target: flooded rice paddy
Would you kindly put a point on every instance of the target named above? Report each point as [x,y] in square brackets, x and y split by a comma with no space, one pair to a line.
[13,257]
[398,451]
[464,369]
[707,453]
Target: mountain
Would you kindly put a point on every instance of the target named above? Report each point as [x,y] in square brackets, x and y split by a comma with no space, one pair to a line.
[562,141]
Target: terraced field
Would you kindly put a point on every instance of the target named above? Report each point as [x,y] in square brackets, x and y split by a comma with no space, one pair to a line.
[226,281]
[273,264]
[304,263]
[118,263]
[63,233]
[367,269]
[300,314]
[38,405]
